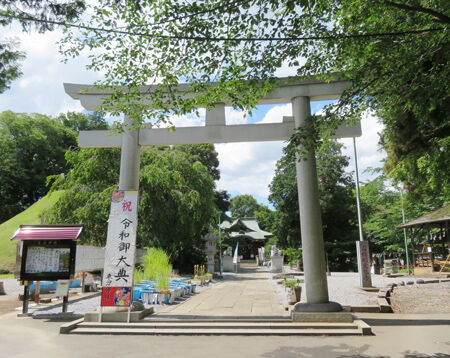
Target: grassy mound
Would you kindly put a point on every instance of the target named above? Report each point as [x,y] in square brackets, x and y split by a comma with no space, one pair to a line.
[30,216]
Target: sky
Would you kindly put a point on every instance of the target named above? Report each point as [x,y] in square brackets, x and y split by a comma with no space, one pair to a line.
[246,168]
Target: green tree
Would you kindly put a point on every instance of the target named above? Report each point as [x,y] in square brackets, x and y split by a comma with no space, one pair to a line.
[83,122]
[243,206]
[382,212]
[337,201]
[37,15]
[265,217]
[176,200]
[205,154]
[222,200]
[32,146]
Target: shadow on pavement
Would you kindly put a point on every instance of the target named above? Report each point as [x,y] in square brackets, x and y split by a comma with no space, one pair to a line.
[340,351]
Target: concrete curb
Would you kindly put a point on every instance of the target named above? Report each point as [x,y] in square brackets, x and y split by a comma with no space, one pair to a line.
[67,327]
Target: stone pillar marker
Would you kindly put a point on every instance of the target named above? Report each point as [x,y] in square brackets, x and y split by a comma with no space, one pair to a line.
[311,223]
[210,249]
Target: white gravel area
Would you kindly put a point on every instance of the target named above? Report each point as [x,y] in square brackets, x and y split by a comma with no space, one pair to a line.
[78,307]
[344,288]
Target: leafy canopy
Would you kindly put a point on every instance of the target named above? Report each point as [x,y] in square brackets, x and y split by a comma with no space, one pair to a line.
[240,45]
[394,53]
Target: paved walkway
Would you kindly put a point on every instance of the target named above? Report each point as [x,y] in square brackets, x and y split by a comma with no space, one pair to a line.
[248,294]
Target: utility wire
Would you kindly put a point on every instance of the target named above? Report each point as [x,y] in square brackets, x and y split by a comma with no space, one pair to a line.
[227,39]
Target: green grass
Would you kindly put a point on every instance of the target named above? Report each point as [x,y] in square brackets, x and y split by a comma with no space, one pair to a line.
[8,275]
[30,216]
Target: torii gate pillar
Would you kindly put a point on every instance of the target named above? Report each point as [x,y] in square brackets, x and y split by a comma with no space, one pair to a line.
[311,223]
[129,159]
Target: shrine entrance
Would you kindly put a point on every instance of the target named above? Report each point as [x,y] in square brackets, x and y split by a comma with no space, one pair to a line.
[299,94]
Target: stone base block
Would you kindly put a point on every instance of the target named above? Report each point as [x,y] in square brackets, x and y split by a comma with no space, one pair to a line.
[135,316]
[227,264]
[328,317]
[276,264]
[318,307]
[369,289]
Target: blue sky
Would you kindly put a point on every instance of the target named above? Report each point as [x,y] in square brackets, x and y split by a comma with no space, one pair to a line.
[246,168]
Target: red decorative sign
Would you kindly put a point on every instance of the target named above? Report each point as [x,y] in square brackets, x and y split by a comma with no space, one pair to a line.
[116,296]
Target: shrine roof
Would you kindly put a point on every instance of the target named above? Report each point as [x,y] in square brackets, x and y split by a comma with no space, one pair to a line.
[434,219]
[47,232]
[245,227]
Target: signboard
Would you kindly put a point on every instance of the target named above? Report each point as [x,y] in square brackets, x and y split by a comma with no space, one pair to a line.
[120,249]
[47,260]
[62,288]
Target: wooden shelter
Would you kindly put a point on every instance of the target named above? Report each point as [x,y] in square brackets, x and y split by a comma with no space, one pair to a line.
[436,225]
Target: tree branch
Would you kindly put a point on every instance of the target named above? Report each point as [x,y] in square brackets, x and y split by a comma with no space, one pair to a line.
[441,17]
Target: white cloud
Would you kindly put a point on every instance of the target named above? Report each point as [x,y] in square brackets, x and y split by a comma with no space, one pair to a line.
[233,116]
[276,114]
[249,167]
[368,152]
[40,88]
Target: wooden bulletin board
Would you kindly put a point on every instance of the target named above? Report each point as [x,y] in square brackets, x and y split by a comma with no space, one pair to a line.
[48,260]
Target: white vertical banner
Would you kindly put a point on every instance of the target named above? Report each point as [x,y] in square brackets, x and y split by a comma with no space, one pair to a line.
[120,249]
[235,257]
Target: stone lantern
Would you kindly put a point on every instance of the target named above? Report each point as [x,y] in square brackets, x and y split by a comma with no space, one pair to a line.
[210,248]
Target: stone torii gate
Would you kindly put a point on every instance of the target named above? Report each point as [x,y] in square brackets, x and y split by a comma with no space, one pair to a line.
[299,94]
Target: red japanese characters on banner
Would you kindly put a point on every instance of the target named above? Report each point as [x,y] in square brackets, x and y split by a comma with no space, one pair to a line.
[116,296]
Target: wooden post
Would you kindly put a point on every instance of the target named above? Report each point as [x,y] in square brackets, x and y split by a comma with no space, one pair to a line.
[65,302]
[26,294]
[413,251]
[82,283]
[36,291]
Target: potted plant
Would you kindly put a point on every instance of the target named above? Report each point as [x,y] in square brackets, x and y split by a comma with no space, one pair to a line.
[294,290]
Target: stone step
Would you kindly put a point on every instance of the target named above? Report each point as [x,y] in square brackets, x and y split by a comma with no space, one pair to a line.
[219,331]
[218,325]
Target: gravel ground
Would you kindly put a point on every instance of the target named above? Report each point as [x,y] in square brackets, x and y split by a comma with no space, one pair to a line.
[343,287]
[425,298]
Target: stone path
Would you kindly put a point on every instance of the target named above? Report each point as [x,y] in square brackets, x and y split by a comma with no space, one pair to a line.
[247,294]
